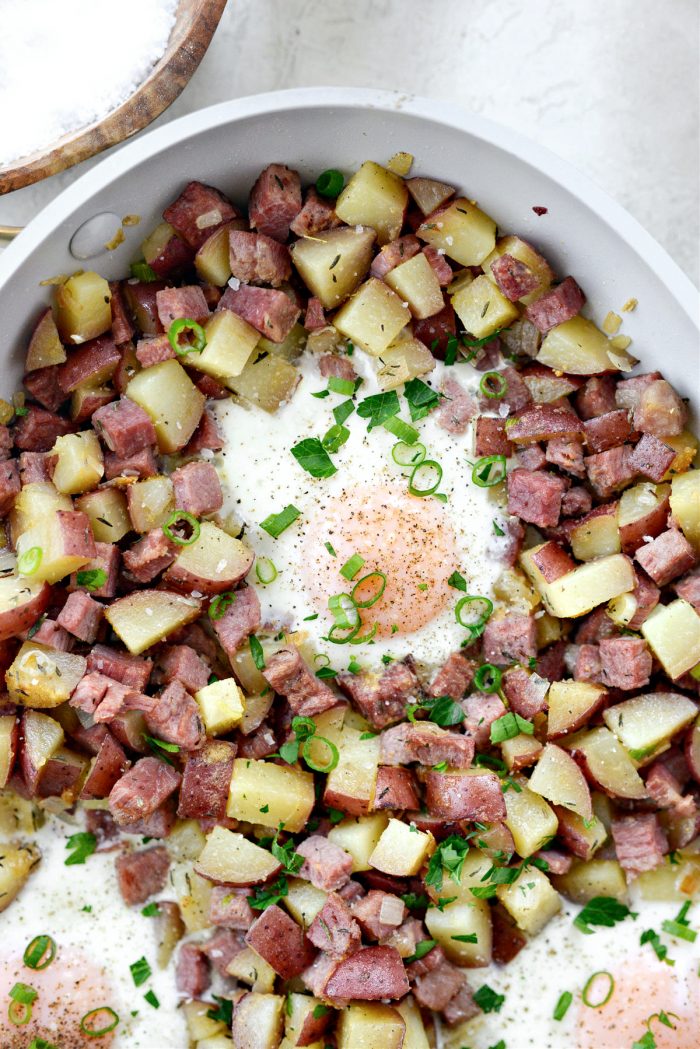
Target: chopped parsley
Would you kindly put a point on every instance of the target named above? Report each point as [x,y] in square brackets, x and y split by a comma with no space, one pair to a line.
[423,947]
[604,911]
[509,726]
[442,710]
[313,457]
[256,651]
[140,972]
[449,856]
[421,398]
[378,407]
[487,999]
[457,581]
[83,845]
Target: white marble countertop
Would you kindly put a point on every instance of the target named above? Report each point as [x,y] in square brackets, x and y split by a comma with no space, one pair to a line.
[610,85]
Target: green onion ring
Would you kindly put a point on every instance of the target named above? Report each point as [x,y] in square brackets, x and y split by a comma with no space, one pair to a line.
[329,183]
[426,464]
[219,605]
[319,656]
[305,753]
[265,570]
[19,1013]
[487,678]
[29,561]
[182,515]
[37,950]
[372,600]
[86,1023]
[478,624]
[341,640]
[355,640]
[493,384]
[343,609]
[608,996]
[181,325]
[411,455]
[481,472]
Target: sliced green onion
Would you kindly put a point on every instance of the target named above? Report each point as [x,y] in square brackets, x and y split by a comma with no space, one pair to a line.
[343,411]
[352,566]
[186,324]
[322,656]
[306,754]
[219,605]
[482,342]
[335,438]
[418,484]
[99,1021]
[41,1043]
[40,952]
[410,455]
[186,518]
[140,971]
[403,430]
[329,183]
[256,651]
[152,999]
[678,929]
[265,570]
[489,471]
[23,993]
[562,1006]
[347,637]
[29,561]
[493,384]
[603,1001]
[20,1009]
[473,612]
[343,609]
[275,524]
[143,272]
[344,386]
[487,678]
[362,639]
[375,597]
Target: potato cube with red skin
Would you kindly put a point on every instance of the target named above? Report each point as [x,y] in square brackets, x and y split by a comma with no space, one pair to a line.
[541,422]
[124,427]
[660,411]
[491,438]
[197,488]
[643,511]
[108,766]
[92,364]
[281,942]
[607,430]
[396,789]
[370,974]
[142,790]
[667,557]
[552,561]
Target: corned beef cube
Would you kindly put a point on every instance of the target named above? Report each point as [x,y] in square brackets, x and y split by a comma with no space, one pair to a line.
[240,619]
[457,409]
[557,306]
[43,386]
[531,457]
[289,676]
[393,254]
[191,971]
[454,677]
[258,259]
[197,212]
[326,865]
[439,265]
[436,988]
[38,429]
[133,671]
[647,595]
[660,411]
[513,277]
[142,790]
[221,948]
[334,930]
[181,663]
[9,485]
[588,665]
[205,437]
[610,471]
[150,556]
[425,743]
[481,709]
[689,589]
[526,693]
[337,366]
[229,908]
[81,616]
[667,557]
[461,1006]
[625,662]
[640,843]
[54,636]
[197,488]
[154,350]
[141,465]
[314,318]
[456,797]
[395,789]
[93,362]
[33,467]
[316,215]
[175,718]
[382,701]
[597,397]
[628,392]
[510,639]
[651,457]
[142,874]
[124,427]
[576,502]
[535,497]
[378,913]
[270,312]
[436,331]
[122,328]
[105,561]
[275,201]
[175,303]
[608,430]
[567,454]
[206,781]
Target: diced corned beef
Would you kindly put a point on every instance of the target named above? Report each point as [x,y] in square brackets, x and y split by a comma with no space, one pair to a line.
[531,457]
[5,442]
[461,1006]
[9,485]
[597,397]
[647,595]
[628,392]
[270,312]
[109,765]
[158,825]
[133,671]
[651,458]
[316,215]
[281,942]
[596,626]
[435,989]
[81,616]
[395,789]
[54,636]
[101,824]
[175,718]
[181,663]
[587,665]
[337,366]
[535,497]
[103,698]
[625,662]
[222,947]
[197,212]
[197,488]
[258,744]
[610,471]
[490,437]
[608,430]
[141,465]
[150,556]
[33,467]
[206,436]
[457,408]
[640,843]
[393,254]
[154,350]
[124,427]
[191,971]
[240,619]
[334,930]
[258,259]
[510,639]
[326,865]
[229,908]
[666,791]
[522,338]
[378,913]
[210,386]
[43,386]
[383,701]
[552,561]
[526,693]
[462,796]
[454,677]
[481,710]
[318,974]
[175,303]
[288,675]
[370,974]
[435,332]
[75,534]
[432,960]
[439,265]
[314,318]
[688,588]
[557,862]
[122,328]
[516,395]
[106,560]
[275,201]
[206,780]
[426,743]
[142,790]
[557,306]
[514,278]
[567,454]
[38,429]
[95,361]
[576,502]
[660,411]
[667,557]
[142,874]
[508,940]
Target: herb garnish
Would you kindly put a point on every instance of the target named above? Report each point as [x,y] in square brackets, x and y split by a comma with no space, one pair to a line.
[83,845]
[602,910]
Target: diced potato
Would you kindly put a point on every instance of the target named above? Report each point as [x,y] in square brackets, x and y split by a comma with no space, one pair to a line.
[685,505]
[45,347]
[514,590]
[213,563]
[558,778]
[199,1024]
[482,308]
[258,1021]
[476,865]
[405,359]
[34,502]
[334,262]
[107,512]
[266,383]
[18,862]
[79,462]
[43,677]
[83,308]
[463,231]
[462,918]
[643,510]
[607,762]
[8,746]
[175,405]
[288,793]
[18,815]
[292,346]
[151,502]
[373,317]
[673,880]
[585,587]
[84,399]
[531,900]
[230,343]
[57,545]
[299,1015]
[401,163]
[622,609]
[370,1025]
[548,629]
[216,1041]
[304,900]
[523,252]
[579,348]
[590,834]
[250,968]
[147,616]
[213,260]
[415,1036]
[571,704]
[402,850]
[186,840]
[156,243]
[591,878]
[351,784]
[374,197]
[221,705]
[673,633]
[193,895]
[520,751]
[360,837]
[685,445]
[531,821]
[42,742]
[597,536]
[415,282]
[646,721]
[22,601]
[231,859]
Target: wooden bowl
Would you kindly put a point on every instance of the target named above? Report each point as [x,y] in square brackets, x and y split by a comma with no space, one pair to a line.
[195,25]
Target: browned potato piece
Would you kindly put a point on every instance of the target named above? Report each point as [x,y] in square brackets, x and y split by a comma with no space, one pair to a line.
[83,308]
[230,344]
[462,918]
[333,263]
[415,282]
[168,395]
[79,462]
[531,900]
[597,535]
[482,308]
[587,586]
[147,616]
[150,502]
[373,317]
[405,359]
[231,859]
[402,850]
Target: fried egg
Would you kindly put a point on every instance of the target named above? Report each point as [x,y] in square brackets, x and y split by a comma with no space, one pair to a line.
[364,509]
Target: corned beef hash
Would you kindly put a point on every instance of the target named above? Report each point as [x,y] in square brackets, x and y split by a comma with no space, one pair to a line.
[350,631]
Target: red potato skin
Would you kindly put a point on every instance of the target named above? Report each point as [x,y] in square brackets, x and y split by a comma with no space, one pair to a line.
[11,744]
[206,781]
[653,524]
[16,620]
[544,421]
[553,562]
[692,751]
[369,975]
[281,942]
[180,579]
[61,777]
[109,765]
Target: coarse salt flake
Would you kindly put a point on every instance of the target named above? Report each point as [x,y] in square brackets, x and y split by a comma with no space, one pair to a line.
[234,282]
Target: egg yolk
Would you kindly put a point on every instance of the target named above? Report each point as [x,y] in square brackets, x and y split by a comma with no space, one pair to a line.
[69,988]
[640,992]
[408,539]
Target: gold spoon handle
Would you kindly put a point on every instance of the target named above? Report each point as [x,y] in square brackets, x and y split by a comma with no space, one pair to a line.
[9,232]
